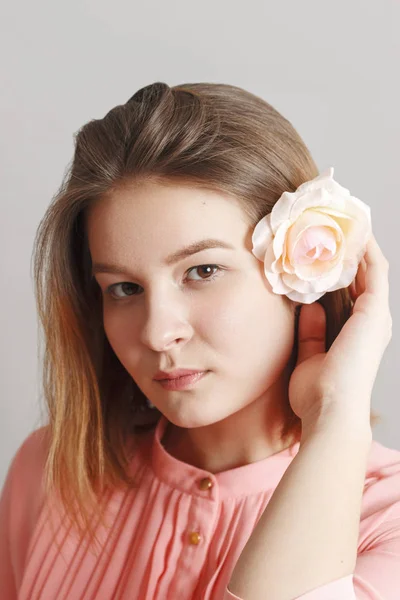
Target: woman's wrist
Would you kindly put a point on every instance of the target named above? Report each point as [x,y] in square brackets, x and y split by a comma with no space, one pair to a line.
[338,422]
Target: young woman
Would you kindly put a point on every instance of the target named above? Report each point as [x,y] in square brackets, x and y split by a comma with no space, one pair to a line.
[214,313]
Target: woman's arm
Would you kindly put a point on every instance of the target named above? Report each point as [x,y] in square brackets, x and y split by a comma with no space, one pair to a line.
[308,533]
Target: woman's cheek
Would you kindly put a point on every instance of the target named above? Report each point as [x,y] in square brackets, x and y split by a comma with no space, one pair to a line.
[230,315]
[119,333]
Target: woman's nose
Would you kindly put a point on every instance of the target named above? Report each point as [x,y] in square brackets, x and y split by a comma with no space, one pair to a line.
[165,322]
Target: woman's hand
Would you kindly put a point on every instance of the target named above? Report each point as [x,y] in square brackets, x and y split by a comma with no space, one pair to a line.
[340,381]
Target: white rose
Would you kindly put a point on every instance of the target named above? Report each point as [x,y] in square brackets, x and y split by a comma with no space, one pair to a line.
[313,240]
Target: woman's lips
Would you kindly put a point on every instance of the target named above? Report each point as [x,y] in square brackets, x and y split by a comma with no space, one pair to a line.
[181,383]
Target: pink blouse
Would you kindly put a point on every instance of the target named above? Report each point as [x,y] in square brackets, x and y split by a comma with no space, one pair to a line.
[179,534]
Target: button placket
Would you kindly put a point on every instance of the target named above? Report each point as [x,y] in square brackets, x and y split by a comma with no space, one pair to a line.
[200,525]
[204,484]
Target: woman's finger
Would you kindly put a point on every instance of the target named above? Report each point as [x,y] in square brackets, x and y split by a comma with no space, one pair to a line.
[360,278]
[357,286]
[377,270]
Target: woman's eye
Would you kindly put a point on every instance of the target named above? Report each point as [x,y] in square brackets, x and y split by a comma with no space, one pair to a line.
[210,272]
[125,284]
[207,269]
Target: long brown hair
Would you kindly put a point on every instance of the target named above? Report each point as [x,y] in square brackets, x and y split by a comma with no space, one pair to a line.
[215,136]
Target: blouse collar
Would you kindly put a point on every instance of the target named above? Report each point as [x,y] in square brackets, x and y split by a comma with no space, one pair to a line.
[261,476]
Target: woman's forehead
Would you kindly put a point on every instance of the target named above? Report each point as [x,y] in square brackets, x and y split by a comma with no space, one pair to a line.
[169,216]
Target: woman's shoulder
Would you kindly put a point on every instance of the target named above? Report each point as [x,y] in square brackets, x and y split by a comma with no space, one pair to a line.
[25,473]
[31,454]
[383,462]
[21,501]
[381,497]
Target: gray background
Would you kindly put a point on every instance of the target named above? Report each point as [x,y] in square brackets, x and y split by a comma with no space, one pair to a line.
[331,68]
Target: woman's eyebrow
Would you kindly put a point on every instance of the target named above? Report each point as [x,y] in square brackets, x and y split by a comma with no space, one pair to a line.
[171,259]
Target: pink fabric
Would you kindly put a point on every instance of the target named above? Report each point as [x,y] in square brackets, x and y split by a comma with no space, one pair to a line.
[148,555]
[342,588]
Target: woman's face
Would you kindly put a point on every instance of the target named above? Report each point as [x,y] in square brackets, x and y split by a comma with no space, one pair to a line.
[213,310]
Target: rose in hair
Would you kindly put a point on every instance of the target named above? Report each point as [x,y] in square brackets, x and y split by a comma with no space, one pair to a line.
[313,240]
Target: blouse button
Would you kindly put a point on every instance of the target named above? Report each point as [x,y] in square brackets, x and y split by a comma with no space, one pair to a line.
[194,537]
[205,484]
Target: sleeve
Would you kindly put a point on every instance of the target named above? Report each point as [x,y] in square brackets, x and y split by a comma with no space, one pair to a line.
[376,575]
[7,578]
[340,589]
[20,503]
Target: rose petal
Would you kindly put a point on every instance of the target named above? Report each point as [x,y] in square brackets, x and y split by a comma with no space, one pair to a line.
[262,237]
[322,276]
[278,286]
[321,198]
[304,298]
[279,239]
[317,198]
[348,274]
[326,181]
[272,264]
[281,210]
[359,207]
[314,285]
[320,240]
[309,218]
[322,177]
[357,232]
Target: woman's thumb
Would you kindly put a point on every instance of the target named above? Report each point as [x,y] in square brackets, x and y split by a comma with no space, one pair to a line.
[311,331]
